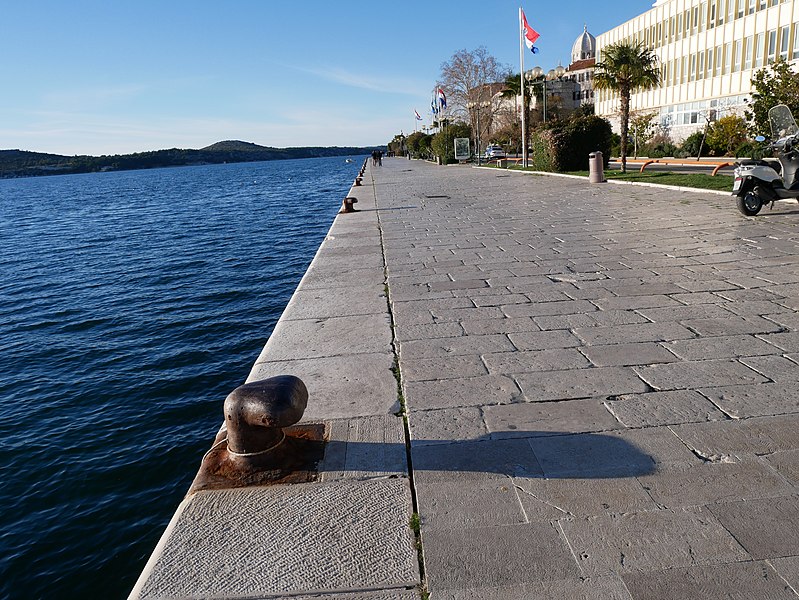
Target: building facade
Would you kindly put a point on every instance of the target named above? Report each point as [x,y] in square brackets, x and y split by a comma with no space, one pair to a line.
[708,51]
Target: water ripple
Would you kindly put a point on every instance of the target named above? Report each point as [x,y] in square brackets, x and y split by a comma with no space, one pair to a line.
[130,304]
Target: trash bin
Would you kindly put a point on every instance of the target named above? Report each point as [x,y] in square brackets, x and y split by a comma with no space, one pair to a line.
[596,168]
[502,163]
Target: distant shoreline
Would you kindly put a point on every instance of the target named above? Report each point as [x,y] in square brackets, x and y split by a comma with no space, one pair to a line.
[21,163]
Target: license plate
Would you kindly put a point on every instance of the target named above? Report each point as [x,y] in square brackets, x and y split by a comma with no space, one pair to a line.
[737,185]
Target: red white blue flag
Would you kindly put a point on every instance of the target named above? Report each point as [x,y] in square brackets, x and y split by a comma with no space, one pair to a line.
[530,34]
[442,99]
[418,116]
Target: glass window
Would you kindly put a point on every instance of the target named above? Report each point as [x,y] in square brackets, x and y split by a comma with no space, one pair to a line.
[727,58]
[684,75]
[760,41]
[712,22]
[795,53]
[737,54]
[741,8]
[692,68]
[762,5]
[694,19]
[730,10]
[751,7]
[702,15]
[772,46]
[722,12]
[717,62]
[679,27]
[700,69]
[747,53]
[785,41]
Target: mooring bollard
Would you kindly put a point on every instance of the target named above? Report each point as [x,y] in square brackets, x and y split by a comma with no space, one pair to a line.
[347,205]
[256,413]
[357,181]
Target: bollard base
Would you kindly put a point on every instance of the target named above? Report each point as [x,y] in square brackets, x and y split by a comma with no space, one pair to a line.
[295,460]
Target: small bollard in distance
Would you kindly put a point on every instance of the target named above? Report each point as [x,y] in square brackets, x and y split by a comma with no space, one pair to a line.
[347,205]
[357,181]
[256,413]
[596,168]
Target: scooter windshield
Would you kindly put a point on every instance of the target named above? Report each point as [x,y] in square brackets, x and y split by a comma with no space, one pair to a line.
[782,122]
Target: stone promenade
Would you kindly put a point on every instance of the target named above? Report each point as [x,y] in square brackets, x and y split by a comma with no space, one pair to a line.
[600,384]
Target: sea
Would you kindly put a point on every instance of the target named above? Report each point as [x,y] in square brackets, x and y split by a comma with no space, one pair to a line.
[131,304]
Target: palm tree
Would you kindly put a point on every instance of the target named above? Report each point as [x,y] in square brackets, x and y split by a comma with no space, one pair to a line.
[513,89]
[625,68]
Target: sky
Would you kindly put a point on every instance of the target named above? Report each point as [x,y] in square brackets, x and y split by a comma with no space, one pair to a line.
[120,76]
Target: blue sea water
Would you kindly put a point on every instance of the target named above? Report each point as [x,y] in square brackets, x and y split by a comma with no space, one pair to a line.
[131,304]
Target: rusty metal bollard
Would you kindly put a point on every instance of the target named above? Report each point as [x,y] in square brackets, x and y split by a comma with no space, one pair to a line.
[347,205]
[256,413]
[357,181]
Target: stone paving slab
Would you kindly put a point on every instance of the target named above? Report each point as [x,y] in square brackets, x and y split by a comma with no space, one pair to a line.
[291,545]
[650,541]
[738,581]
[663,408]
[340,386]
[479,556]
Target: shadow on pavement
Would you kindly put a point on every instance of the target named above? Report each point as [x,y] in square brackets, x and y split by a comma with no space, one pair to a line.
[531,454]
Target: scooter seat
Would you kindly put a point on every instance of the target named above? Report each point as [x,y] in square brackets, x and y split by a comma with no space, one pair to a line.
[749,162]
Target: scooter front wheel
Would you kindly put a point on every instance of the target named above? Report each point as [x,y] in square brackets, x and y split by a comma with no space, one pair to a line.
[749,204]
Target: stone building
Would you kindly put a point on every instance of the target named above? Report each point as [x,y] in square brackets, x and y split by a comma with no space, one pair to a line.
[581,69]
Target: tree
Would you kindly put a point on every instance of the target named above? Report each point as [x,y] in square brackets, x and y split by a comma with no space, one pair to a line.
[418,144]
[642,128]
[625,68]
[725,135]
[513,89]
[473,76]
[773,85]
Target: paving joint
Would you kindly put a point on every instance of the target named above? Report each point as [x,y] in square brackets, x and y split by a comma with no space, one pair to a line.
[415,523]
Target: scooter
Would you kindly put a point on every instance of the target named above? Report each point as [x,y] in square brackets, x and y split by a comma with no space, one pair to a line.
[758,182]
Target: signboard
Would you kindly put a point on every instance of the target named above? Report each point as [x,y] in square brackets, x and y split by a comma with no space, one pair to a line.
[462,151]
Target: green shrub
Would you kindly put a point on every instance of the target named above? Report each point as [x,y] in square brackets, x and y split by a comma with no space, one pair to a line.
[690,147]
[565,146]
[750,150]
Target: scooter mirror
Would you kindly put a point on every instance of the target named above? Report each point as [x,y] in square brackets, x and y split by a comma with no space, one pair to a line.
[760,138]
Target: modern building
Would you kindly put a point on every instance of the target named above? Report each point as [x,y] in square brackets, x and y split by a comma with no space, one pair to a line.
[708,52]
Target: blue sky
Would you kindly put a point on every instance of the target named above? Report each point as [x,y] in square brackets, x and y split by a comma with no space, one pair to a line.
[119,76]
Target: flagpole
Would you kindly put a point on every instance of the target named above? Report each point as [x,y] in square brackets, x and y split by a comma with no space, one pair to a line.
[521,79]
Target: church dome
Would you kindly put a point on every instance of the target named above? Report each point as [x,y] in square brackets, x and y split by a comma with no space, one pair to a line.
[584,46]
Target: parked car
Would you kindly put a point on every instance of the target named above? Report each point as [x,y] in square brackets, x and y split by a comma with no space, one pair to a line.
[494,151]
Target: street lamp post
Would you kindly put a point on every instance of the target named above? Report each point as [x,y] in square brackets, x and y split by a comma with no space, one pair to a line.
[477,106]
[535,76]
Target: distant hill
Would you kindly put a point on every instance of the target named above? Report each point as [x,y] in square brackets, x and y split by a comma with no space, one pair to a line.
[20,163]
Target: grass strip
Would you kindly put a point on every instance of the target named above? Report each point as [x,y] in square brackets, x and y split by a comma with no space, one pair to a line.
[702,181]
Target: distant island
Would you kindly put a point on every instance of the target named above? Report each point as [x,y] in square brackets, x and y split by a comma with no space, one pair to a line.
[21,163]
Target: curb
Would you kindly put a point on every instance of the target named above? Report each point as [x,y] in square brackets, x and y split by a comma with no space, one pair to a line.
[678,188]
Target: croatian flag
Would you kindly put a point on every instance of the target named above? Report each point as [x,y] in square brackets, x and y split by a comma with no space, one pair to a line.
[418,116]
[530,34]
[442,99]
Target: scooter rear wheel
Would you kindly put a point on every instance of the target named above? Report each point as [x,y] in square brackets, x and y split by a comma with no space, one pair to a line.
[749,204]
